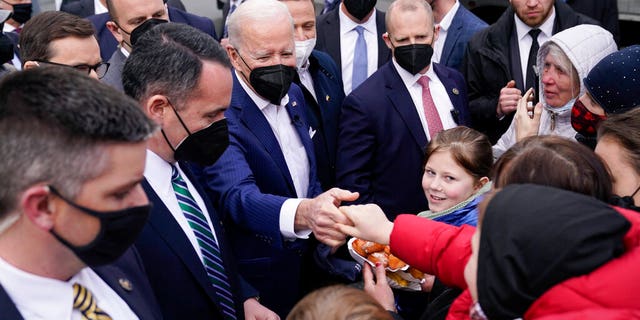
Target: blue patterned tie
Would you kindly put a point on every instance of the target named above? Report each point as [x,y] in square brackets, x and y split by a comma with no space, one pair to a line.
[211,256]
[359,59]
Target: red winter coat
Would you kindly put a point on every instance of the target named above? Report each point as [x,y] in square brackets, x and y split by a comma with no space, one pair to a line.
[609,292]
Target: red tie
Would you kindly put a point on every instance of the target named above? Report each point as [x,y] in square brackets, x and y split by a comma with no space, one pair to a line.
[434,124]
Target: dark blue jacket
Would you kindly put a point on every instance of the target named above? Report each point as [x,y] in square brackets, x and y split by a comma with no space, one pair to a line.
[249,184]
[174,269]
[463,26]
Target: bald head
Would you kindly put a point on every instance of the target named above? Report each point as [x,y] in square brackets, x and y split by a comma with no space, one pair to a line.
[401,7]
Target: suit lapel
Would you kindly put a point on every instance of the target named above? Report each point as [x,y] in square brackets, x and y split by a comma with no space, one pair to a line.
[118,281]
[454,32]
[254,121]
[89,7]
[168,229]
[294,108]
[401,101]
[384,53]
[452,89]
[333,36]
[8,309]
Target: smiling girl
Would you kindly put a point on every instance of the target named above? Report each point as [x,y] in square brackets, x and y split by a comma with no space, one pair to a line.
[457,166]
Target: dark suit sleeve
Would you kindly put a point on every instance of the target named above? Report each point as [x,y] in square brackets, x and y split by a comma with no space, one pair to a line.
[177,4]
[234,190]
[482,104]
[245,289]
[356,145]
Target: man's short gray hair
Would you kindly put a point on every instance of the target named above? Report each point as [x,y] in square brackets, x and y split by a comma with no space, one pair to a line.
[254,11]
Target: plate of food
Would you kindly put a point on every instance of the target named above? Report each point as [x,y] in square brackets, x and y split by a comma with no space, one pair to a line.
[399,274]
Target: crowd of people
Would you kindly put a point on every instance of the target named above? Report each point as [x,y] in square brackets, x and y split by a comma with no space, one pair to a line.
[154,170]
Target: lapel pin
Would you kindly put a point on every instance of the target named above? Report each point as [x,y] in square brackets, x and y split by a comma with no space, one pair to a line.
[125,284]
[327,98]
[455,91]
[294,103]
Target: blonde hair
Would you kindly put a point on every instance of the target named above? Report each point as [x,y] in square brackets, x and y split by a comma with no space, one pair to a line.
[338,302]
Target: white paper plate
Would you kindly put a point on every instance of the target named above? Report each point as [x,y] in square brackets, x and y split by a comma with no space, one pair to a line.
[413,283]
[361,260]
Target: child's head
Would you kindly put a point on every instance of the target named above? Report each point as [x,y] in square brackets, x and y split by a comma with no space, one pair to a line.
[553,161]
[338,302]
[457,164]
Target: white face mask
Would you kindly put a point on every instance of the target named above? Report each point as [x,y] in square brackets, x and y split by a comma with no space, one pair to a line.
[303,51]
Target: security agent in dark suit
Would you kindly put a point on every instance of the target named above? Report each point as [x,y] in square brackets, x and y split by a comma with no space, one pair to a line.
[170,73]
[71,203]
[337,36]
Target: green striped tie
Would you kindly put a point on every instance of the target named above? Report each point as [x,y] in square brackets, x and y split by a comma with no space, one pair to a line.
[211,256]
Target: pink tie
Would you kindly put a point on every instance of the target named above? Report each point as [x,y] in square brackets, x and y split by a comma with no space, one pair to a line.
[434,124]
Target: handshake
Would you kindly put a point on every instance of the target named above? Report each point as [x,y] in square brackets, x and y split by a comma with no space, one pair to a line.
[332,223]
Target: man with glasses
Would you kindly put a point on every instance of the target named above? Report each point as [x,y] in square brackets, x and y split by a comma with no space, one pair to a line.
[59,38]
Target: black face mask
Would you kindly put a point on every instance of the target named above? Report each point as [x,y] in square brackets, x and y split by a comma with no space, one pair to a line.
[143,28]
[21,12]
[413,57]
[271,82]
[203,147]
[359,8]
[118,230]
[625,202]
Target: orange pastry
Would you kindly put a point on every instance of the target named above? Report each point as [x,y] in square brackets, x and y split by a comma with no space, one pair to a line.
[379,257]
[416,273]
[357,247]
[371,247]
[395,263]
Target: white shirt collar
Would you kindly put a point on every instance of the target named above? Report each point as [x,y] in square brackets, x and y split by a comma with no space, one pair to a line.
[258,100]
[347,25]
[411,79]
[49,293]
[305,67]
[448,18]
[158,171]
[8,28]
[98,7]
[546,27]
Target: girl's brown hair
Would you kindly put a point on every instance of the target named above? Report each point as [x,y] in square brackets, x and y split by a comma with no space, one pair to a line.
[469,148]
[554,161]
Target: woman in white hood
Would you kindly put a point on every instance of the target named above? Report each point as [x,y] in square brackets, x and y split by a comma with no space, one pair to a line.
[562,63]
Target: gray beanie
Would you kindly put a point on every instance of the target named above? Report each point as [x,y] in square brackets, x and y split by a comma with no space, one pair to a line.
[614,83]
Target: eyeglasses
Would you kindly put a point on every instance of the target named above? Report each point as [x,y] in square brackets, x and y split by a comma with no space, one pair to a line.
[100,68]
